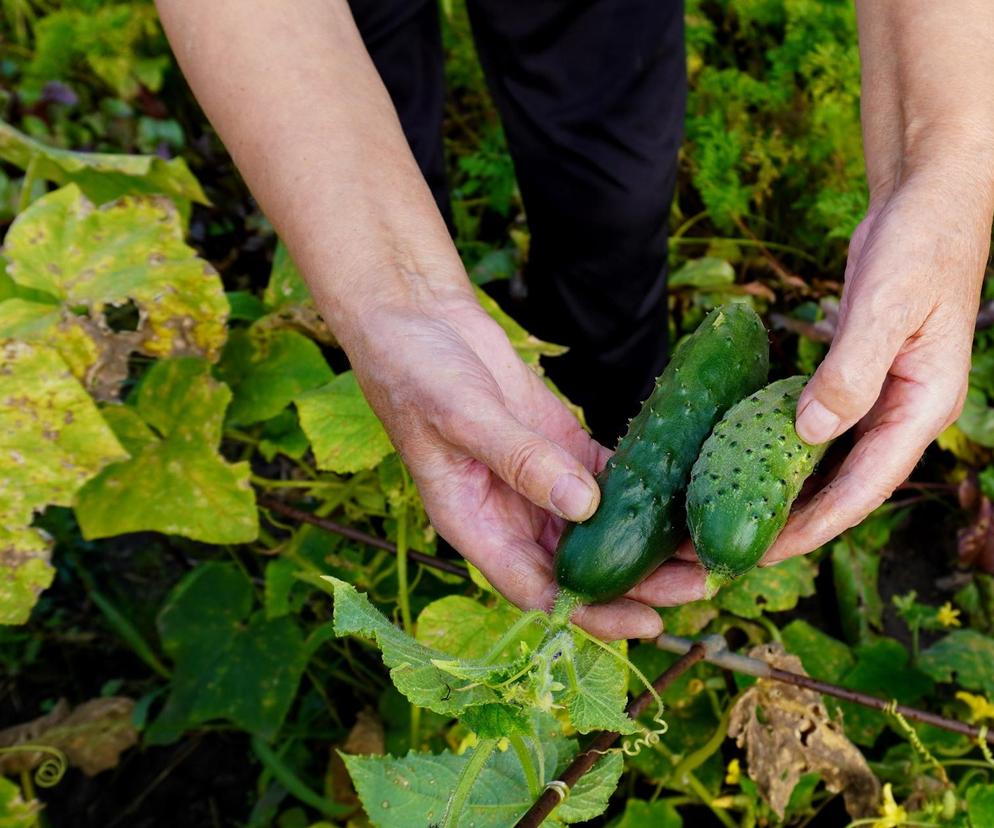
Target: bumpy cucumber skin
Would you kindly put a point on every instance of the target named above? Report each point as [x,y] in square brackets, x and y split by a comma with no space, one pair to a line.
[640,521]
[749,472]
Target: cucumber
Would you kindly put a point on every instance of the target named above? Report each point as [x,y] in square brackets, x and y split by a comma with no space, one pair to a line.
[640,520]
[742,486]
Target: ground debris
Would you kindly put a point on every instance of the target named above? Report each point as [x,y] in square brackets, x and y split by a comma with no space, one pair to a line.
[93,735]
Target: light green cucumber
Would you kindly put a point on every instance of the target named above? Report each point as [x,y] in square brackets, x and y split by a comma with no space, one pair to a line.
[749,472]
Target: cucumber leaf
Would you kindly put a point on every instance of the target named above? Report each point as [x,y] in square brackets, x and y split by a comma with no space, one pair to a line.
[177,482]
[418,785]
[231,662]
[344,432]
[769,589]
[52,442]
[963,656]
[492,697]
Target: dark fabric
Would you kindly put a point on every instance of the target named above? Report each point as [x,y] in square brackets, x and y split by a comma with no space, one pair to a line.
[591,95]
[404,39]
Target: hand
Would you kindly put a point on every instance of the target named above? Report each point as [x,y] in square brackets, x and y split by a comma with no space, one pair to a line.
[898,365]
[499,461]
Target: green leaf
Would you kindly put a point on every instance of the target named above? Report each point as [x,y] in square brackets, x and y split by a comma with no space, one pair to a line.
[708,273]
[283,435]
[964,657]
[280,579]
[344,432]
[412,665]
[102,177]
[177,483]
[598,702]
[230,662]
[267,370]
[980,805]
[494,265]
[823,657]
[855,569]
[688,619]
[285,287]
[492,697]
[529,348]
[91,260]
[882,669]
[639,814]
[14,811]
[456,624]
[244,306]
[415,789]
[769,589]
[977,418]
[52,442]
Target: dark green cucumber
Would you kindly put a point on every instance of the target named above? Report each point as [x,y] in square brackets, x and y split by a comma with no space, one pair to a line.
[640,520]
[742,486]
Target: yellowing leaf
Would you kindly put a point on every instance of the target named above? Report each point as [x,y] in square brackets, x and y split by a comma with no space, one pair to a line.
[90,260]
[52,441]
[176,482]
[101,176]
[344,432]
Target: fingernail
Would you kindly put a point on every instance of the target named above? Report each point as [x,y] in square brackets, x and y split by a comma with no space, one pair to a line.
[816,424]
[572,498]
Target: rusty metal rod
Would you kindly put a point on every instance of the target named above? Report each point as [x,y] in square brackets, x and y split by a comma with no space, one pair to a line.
[276,505]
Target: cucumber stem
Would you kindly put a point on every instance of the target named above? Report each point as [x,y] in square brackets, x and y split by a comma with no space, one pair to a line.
[566,604]
[714,581]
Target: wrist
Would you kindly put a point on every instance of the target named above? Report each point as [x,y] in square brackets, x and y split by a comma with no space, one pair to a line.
[365,310]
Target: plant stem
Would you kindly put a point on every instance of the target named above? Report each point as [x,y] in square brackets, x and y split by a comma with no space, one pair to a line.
[526,620]
[289,780]
[27,185]
[566,603]
[467,778]
[403,593]
[527,765]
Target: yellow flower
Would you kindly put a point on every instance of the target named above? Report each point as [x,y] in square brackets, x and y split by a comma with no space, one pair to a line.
[892,815]
[733,773]
[947,616]
[980,708]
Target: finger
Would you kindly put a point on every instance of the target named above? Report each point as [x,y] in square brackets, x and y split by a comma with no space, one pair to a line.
[849,380]
[907,421]
[675,582]
[534,466]
[522,572]
[622,618]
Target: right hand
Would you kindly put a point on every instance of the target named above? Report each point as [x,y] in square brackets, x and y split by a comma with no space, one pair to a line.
[499,461]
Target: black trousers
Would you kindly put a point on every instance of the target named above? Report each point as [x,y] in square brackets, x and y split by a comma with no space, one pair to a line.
[591,94]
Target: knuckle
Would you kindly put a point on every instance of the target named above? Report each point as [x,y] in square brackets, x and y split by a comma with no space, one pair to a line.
[845,386]
[521,463]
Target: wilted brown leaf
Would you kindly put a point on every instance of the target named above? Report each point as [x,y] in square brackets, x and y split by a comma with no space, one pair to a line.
[92,736]
[787,733]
